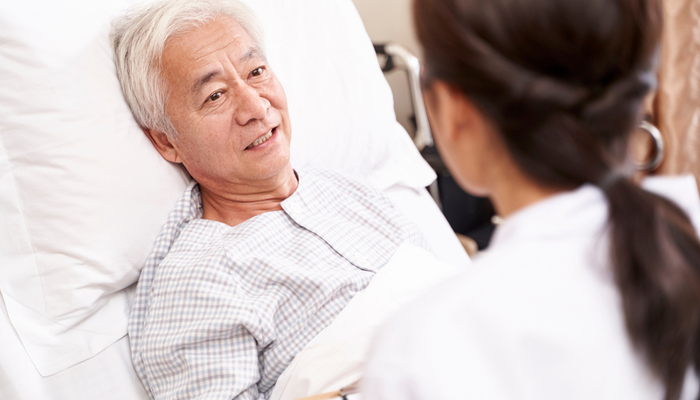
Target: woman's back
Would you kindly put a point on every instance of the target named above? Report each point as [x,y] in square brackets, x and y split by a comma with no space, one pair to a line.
[533,102]
[537,317]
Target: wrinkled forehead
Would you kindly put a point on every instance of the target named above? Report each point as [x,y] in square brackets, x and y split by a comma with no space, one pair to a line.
[201,39]
[202,45]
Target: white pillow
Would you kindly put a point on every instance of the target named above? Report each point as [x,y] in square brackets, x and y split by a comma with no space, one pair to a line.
[83,193]
[340,104]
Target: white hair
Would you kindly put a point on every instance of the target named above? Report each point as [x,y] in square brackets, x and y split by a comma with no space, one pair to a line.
[139,38]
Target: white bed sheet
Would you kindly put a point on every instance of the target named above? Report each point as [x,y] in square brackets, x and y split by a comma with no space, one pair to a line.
[109,375]
[335,358]
[420,208]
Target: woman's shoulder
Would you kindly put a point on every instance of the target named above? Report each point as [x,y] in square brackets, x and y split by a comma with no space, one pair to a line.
[497,326]
[512,293]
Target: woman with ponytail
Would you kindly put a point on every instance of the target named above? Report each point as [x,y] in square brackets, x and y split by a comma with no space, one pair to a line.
[591,286]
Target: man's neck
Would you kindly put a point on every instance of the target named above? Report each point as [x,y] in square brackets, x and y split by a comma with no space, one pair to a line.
[237,203]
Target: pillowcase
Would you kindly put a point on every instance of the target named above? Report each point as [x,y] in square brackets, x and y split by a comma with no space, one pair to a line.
[83,193]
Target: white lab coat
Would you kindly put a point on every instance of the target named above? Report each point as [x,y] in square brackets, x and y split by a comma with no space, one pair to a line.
[537,317]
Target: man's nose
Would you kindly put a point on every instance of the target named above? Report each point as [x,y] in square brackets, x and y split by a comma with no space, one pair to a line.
[251,105]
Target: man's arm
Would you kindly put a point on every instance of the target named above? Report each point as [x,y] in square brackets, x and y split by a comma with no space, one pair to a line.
[199,339]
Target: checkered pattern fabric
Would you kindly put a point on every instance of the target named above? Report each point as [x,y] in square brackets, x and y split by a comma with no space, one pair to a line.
[221,311]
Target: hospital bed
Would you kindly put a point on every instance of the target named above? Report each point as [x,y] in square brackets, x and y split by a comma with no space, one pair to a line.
[83,193]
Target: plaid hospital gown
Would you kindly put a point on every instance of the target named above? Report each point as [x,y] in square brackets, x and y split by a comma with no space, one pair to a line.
[221,311]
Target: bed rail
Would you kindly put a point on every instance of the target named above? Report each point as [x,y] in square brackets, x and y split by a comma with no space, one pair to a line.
[398,57]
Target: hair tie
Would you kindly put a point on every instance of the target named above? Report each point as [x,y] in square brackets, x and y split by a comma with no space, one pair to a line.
[611,178]
[632,86]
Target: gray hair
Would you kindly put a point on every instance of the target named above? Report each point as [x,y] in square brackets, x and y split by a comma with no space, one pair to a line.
[138,41]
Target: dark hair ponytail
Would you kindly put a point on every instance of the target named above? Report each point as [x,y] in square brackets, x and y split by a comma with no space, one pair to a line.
[563,81]
[656,256]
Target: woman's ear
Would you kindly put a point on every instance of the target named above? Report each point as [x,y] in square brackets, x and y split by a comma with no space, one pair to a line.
[452,113]
[464,137]
[164,144]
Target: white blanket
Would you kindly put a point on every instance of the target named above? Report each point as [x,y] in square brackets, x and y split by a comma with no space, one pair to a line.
[335,358]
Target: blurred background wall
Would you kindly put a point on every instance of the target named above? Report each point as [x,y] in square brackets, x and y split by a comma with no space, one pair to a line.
[678,98]
[390,21]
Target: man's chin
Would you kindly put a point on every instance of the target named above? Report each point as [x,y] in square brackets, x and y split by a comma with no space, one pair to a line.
[270,172]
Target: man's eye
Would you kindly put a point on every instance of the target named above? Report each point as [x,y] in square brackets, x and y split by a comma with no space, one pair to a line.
[258,71]
[215,96]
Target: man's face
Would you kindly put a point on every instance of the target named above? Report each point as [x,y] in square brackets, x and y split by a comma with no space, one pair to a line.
[228,108]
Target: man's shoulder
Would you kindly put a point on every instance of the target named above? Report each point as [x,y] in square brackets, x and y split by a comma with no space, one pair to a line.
[338,189]
[198,236]
[350,202]
[337,180]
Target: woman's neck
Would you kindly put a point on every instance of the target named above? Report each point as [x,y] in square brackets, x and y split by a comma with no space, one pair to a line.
[513,190]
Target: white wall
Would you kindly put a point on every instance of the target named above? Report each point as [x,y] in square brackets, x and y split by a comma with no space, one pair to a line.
[391,21]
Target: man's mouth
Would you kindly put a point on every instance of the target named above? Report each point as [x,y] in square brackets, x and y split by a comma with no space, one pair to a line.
[261,139]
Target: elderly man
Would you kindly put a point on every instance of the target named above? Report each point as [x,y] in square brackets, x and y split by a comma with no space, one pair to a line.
[256,258]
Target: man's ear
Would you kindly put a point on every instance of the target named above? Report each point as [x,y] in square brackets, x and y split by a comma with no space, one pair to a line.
[163,144]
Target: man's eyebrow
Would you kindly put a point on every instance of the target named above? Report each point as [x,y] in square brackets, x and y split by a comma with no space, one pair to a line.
[203,79]
[253,52]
